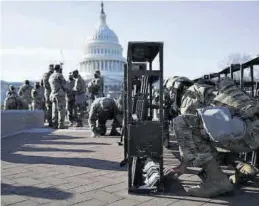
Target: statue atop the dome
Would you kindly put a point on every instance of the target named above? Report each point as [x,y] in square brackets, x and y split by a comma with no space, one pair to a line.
[102,11]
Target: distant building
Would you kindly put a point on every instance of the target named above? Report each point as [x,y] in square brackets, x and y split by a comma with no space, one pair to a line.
[103,52]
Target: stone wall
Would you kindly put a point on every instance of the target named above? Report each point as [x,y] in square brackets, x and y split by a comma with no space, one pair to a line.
[15,121]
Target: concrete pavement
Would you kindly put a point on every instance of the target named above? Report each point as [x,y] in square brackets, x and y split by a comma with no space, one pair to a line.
[68,167]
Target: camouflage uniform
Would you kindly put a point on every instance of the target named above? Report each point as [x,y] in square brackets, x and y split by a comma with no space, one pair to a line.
[37,97]
[58,98]
[174,88]
[25,93]
[12,99]
[95,87]
[70,98]
[103,109]
[197,96]
[197,147]
[80,98]
[47,91]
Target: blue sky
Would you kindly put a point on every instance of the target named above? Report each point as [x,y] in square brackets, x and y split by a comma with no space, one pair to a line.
[197,36]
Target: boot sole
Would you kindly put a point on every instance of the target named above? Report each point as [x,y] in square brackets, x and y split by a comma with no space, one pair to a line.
[225,192]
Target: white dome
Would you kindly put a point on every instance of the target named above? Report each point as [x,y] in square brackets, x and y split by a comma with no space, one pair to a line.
[104,33]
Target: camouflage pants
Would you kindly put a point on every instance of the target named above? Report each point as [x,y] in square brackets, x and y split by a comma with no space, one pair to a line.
[101,125]
[48,107]
[196,146]
[71,110]
[58,111]
[79,113]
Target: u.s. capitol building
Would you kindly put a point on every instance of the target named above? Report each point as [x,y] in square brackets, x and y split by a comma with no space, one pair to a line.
[103,52]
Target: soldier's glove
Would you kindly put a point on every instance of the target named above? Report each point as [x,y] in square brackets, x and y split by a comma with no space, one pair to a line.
[175,171]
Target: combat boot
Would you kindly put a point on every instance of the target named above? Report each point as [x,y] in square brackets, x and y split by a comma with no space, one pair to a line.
[61,126]
[79,124]
[216,183]
[244,172]
[114,132]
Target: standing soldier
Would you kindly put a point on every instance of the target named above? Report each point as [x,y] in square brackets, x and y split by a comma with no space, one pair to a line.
[98,76]
[95,87]
[37,97]
[25,93]
[80,90]
[57,84]
[47,91]
[70,98]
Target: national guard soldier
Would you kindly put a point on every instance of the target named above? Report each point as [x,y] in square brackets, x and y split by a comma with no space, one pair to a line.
[37,97]
[70,98]
[57,84]
[25,93]
[80,98]
[47,91]
[174,88]
[11,100]
[232,122]
[103,109]
[98,75]
[95,86]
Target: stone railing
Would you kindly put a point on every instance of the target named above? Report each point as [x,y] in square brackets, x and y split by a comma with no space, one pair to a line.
[16,121]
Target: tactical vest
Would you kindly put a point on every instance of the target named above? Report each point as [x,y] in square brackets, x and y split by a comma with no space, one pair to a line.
[197,96]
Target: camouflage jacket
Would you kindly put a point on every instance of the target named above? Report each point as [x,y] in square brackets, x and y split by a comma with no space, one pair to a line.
[25,93]
[58,85]
[197,96]
[102,109]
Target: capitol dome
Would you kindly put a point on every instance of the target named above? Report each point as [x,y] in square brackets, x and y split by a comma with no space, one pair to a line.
[103,52]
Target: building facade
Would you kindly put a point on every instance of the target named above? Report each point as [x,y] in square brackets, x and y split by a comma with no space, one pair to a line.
[103,52]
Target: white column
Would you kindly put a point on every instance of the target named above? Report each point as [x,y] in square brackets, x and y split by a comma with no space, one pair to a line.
[91,66]
[88,67]
[112,65]
[98,65]
[105,65]
[115,66]
[118,67]
[101,62]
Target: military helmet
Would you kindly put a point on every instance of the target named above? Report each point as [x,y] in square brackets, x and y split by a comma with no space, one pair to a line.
[57,67]
[176,82]
[11,87]
[106,103]
[75,72]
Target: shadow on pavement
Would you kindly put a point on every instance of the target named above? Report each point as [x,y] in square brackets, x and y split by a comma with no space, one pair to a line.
[24,143]
[31,191]
[240,196]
